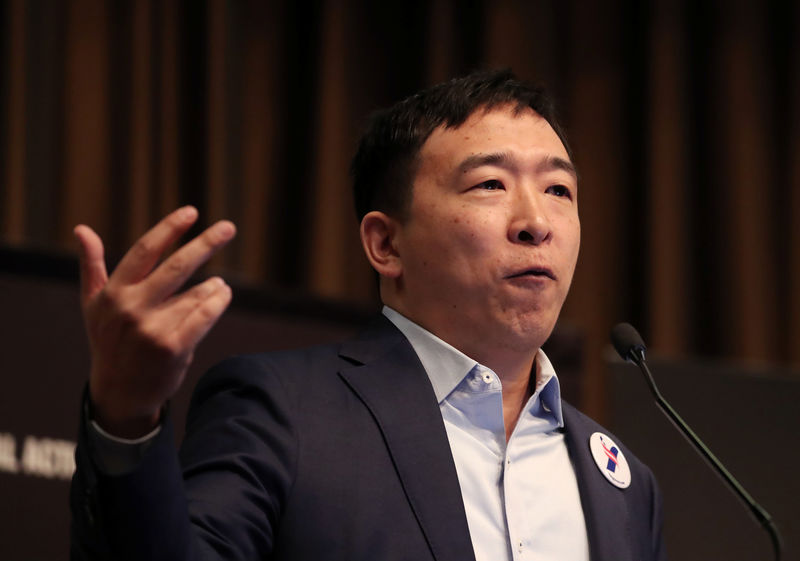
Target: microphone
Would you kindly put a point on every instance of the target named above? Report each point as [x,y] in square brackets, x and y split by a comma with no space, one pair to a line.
[631,348]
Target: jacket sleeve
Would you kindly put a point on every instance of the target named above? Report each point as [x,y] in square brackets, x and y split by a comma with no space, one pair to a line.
[222,500]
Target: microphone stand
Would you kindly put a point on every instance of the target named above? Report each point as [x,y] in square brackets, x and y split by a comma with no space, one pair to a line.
[636,355]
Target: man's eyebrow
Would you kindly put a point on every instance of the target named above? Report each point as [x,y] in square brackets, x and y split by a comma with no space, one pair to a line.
[554,162]
[478,160]
[504,159]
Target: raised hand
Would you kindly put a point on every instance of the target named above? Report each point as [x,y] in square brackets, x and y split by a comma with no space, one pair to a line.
[142,334]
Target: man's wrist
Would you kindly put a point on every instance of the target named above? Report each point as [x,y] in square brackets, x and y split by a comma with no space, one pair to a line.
[124,427]
[112,454]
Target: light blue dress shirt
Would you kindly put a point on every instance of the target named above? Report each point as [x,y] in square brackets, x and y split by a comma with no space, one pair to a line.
[521,496]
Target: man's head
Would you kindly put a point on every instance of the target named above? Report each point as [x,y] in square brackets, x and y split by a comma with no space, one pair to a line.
[385,163]
[483,248]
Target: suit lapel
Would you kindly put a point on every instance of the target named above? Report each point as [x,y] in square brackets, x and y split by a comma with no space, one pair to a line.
[391,382]
[604,505]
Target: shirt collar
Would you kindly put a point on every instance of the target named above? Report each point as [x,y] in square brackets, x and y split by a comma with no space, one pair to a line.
[549,388]
[446,366]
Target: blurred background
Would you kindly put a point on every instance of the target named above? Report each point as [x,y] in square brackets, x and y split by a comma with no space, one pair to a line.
[684,117]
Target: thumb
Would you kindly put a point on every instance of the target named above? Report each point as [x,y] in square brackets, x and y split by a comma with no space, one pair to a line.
[92,262]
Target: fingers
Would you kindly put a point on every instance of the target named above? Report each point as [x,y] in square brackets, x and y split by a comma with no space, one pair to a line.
[204,316]
[92,264]
[175,270]
[198,309]
[146,252]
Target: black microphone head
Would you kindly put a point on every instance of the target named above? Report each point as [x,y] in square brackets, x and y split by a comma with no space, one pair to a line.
[627,341]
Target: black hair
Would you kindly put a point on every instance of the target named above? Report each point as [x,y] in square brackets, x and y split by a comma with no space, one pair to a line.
[385,163]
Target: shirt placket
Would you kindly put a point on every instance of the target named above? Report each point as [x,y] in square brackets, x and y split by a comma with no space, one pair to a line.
[515,512]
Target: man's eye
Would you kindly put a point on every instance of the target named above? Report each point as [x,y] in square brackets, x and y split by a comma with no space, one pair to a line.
[560,191]
[491,185]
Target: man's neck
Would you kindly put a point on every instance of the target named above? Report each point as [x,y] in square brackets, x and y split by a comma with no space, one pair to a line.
[518,387]
[517,373]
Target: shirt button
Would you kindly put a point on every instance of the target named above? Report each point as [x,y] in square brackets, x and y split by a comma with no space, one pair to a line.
[520,547]
[487,378]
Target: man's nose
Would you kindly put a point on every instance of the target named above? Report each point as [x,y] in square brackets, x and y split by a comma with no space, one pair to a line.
[530,223]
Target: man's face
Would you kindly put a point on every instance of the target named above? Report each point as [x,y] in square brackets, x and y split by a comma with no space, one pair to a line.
[490,245]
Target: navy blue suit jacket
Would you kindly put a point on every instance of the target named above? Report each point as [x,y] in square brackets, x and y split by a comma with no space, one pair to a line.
[334,452]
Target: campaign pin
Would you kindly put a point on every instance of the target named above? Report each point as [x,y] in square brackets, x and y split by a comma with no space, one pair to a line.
[610,460]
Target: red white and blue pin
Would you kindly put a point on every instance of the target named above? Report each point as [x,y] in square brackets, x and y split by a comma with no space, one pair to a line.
[610,460]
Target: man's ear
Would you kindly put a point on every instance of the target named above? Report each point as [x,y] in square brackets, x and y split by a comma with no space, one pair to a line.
[378,237]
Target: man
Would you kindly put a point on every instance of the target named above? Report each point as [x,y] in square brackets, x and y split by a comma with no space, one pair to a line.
[438,433]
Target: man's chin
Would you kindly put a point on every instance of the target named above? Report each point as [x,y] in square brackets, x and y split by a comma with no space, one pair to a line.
[533,330]
[527,336]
